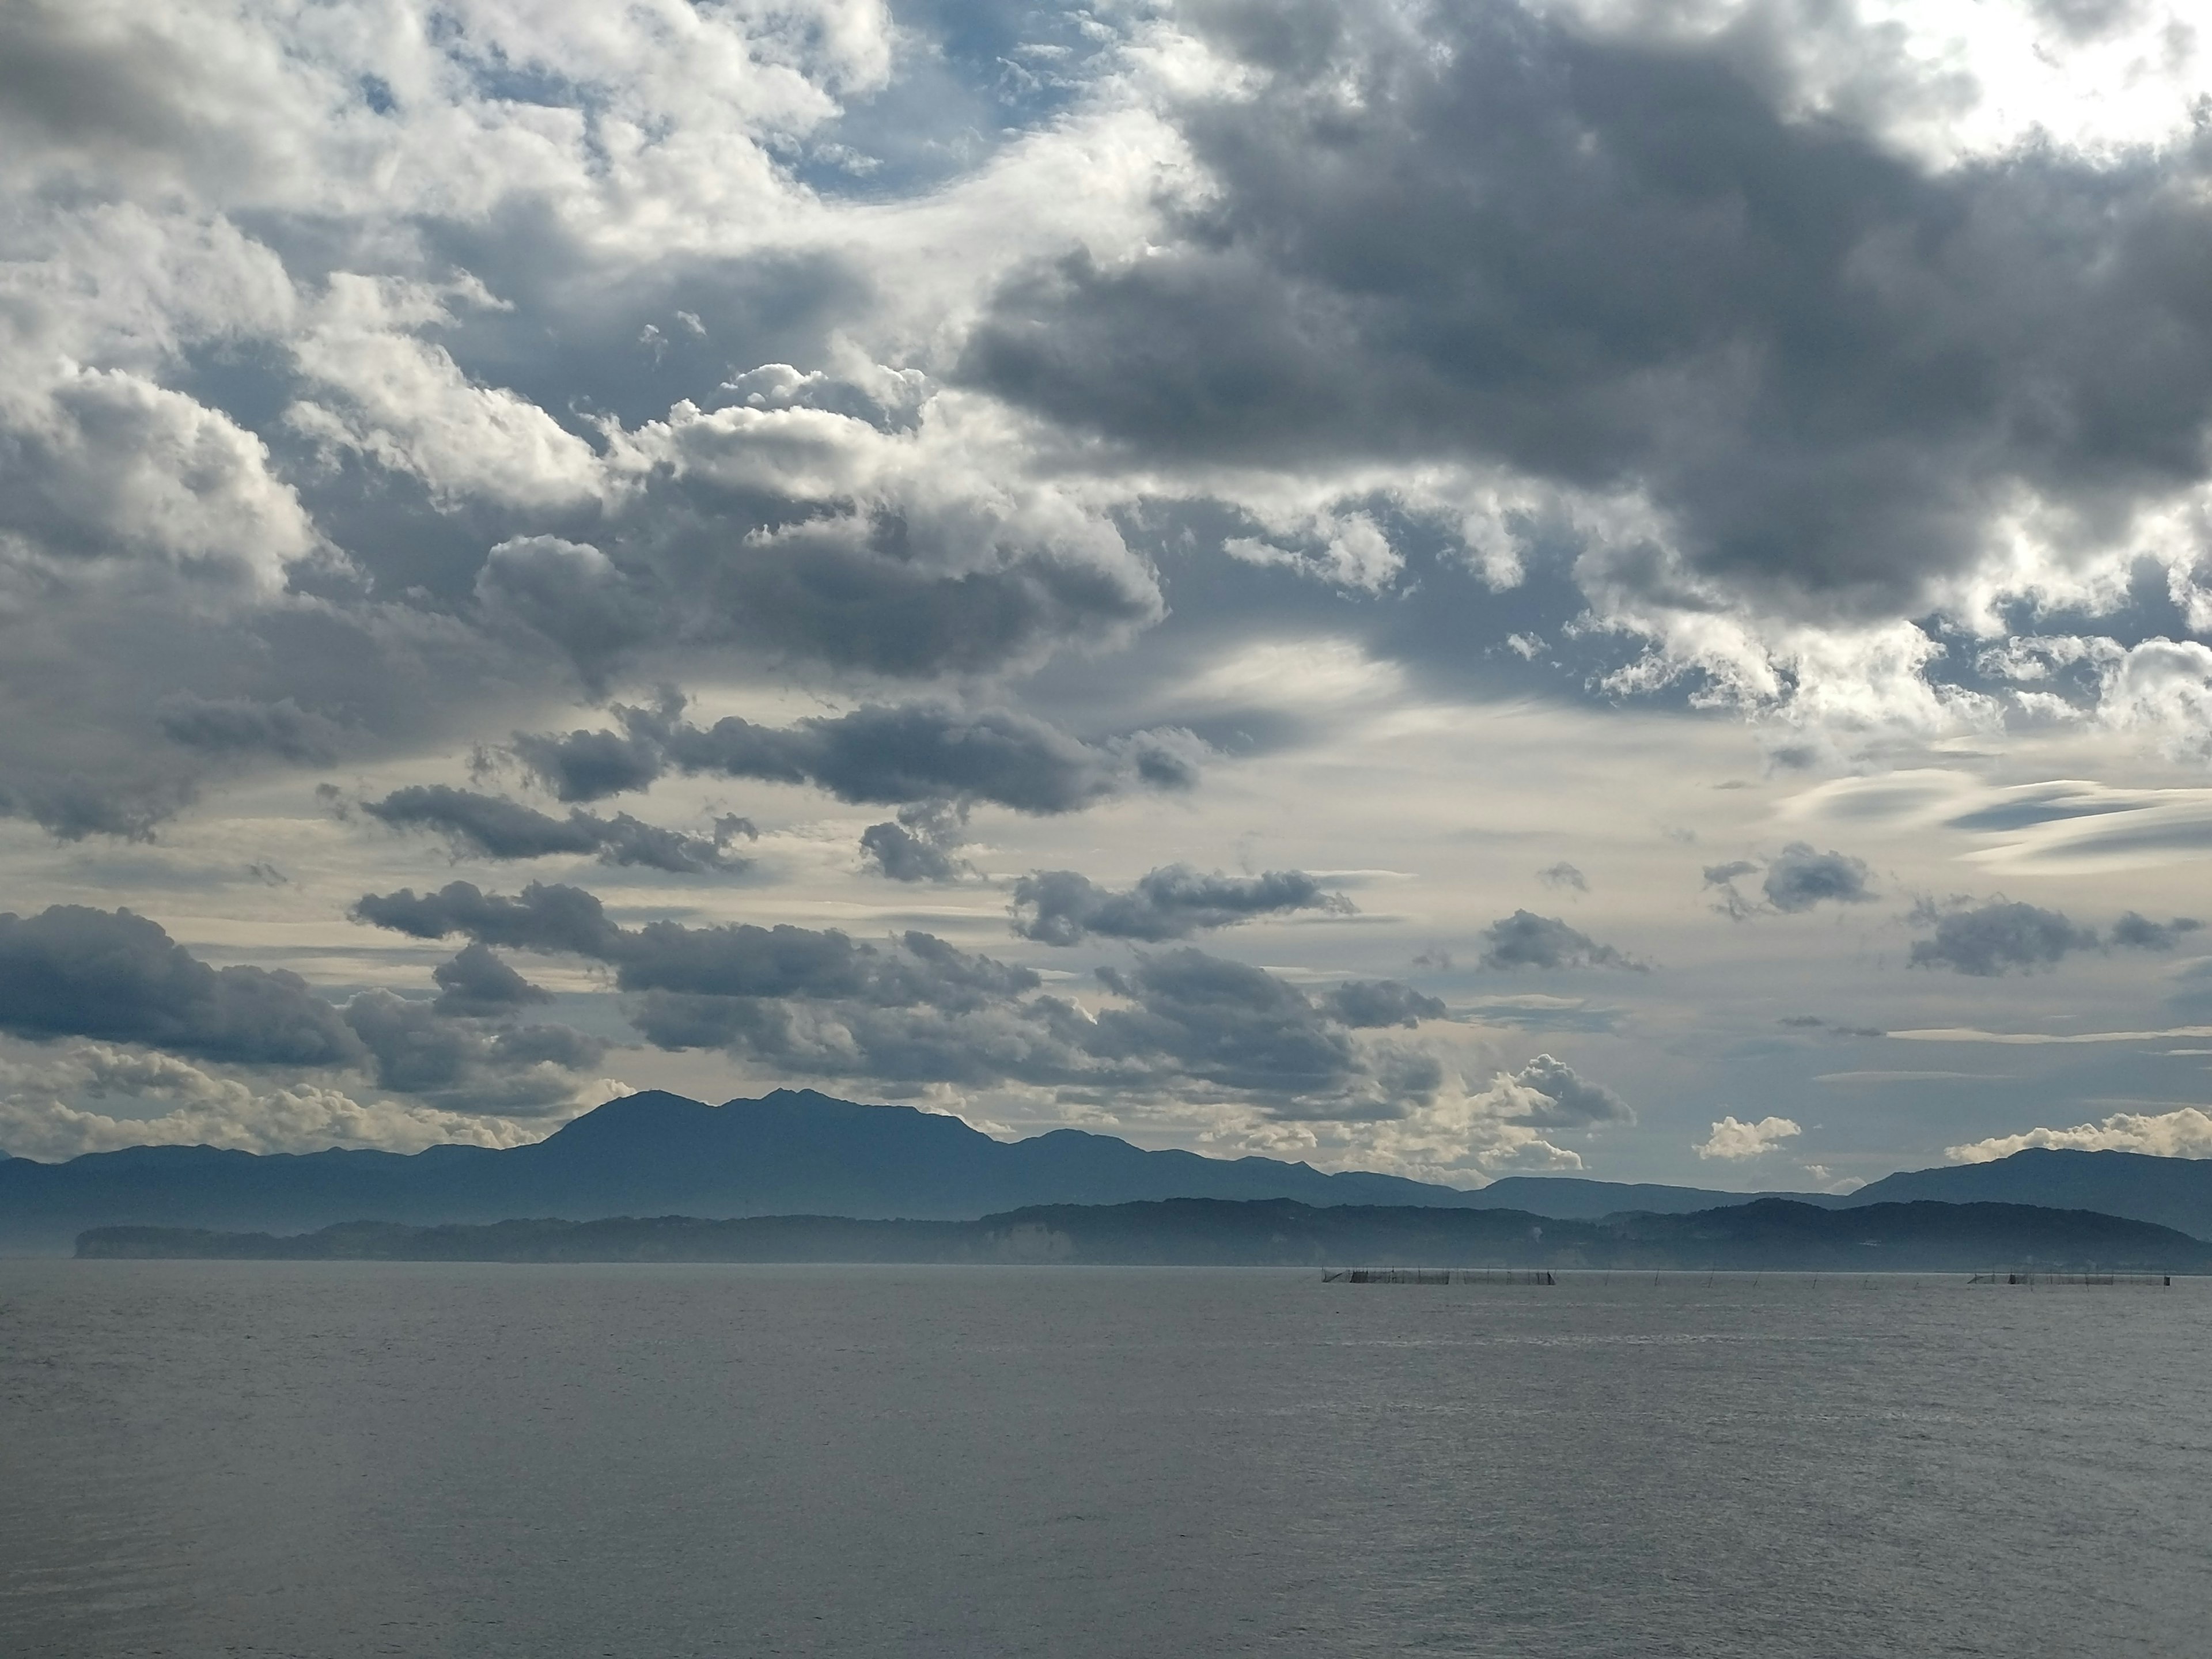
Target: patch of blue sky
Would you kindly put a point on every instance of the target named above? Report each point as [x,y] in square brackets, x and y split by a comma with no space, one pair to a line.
[971,74]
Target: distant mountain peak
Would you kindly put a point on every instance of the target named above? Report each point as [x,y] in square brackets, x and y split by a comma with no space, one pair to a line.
[625,1116]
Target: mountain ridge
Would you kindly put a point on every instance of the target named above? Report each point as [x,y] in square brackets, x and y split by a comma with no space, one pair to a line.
[799,1150]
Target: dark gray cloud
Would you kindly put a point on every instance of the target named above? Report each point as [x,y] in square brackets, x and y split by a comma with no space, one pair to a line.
[500,829]
[853,596]
[543,917]
[915,1009]
[890,578]
[1368,1004]
[1059,907]
[738,960]
[1563,874]
[2135,932]
[1797,878]
[118,977]
[744,961]
[923,845]
[1525,939]
[1997,937]
[2086,20]
[415,1049]
[72,808]
[1815,1022]
[1239,1027]
[876,756]
[1498,235]
[232,726]
[1800,878]
[476,983]
[584,766]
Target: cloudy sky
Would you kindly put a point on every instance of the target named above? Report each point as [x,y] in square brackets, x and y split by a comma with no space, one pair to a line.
[1601,585]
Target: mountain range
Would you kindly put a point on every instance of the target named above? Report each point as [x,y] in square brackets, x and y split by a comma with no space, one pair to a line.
[797,1151]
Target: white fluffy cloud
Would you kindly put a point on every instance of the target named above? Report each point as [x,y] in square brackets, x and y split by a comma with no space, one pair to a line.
[2186,1132]
[44,1111]
[1736,1141]
[1513,1127]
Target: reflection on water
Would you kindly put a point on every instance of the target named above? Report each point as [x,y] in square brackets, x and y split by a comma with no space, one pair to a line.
[336,1459]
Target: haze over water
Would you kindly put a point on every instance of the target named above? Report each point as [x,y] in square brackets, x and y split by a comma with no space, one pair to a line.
[343,1460]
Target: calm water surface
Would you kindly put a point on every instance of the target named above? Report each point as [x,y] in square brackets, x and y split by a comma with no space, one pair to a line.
[353,1458]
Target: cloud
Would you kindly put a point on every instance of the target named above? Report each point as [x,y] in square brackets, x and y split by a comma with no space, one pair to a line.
[1451,1135]
[571,595]
[1525,939]
[2039,1039]
[119,978]
[2139,932]
[914,1009]
[1548,1094]
[2067,826]
[1240,1028]
[339,493]
[242,725]
[44,1114]
[70,971]
[1558,232]
[2192,995]
[418,1049]
[1533,1012]
[1563,874]
[898,552]
[1366,1004]
[592,765]
[541,917]
[1735,1140]
[877,755]
[1815,1022]
[503,829]
[1992,937]
[1996,937]
[923,845]
[1797,878]
[737,960]
[1059,907]
[1800,878]
[1456,1136]
[476,983]
[2186,1133]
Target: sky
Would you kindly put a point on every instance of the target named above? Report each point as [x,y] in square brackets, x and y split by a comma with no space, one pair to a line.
[1602,587]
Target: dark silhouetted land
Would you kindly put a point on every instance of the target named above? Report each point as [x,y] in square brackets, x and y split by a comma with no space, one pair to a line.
[1774,1235]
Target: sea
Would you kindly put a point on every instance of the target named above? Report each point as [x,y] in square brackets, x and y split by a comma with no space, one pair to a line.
[647,1461]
